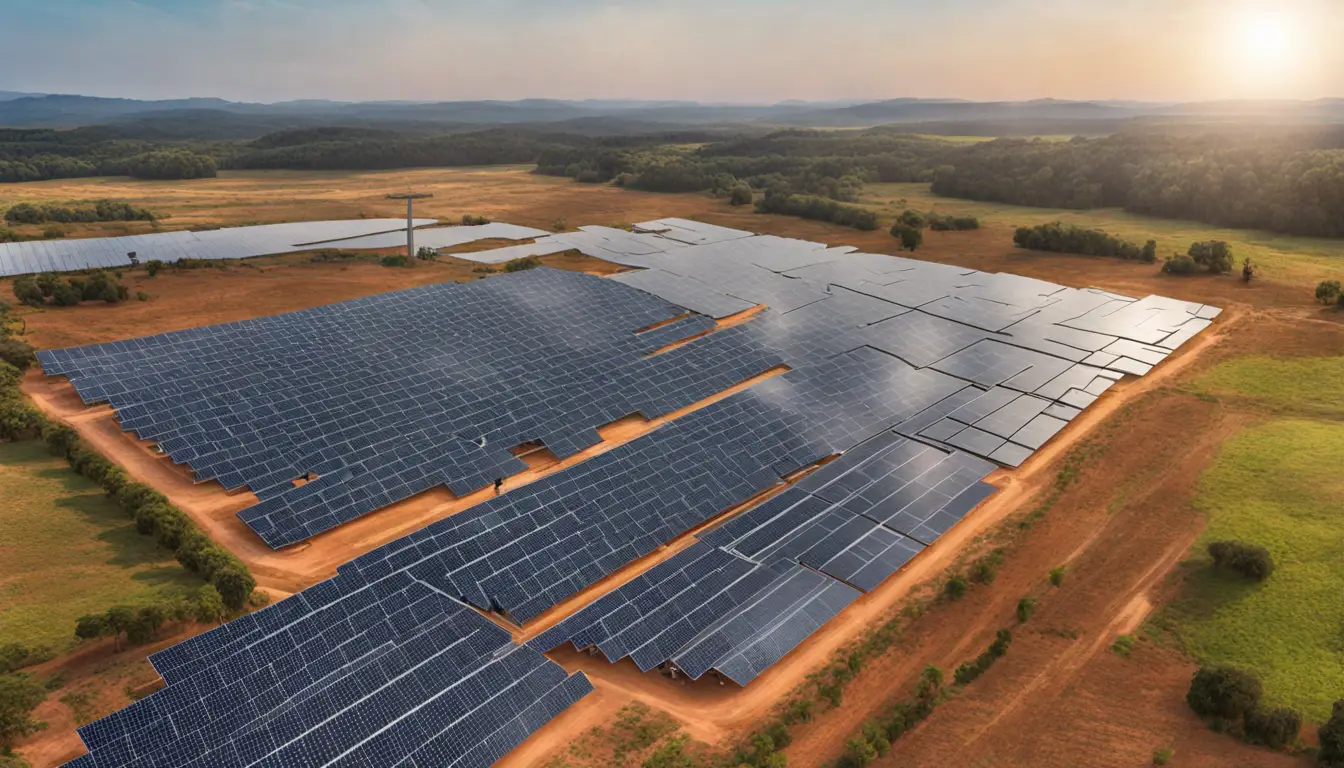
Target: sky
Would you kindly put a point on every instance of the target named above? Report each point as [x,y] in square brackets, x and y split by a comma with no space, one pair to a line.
[752,51]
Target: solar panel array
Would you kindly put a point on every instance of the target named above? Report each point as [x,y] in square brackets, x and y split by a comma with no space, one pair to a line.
[36,256]
[342,674]
[922,377]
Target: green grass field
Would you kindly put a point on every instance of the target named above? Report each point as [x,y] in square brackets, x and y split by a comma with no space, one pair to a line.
[66,550]
[1303,260]
[1279,485]
[1313,385]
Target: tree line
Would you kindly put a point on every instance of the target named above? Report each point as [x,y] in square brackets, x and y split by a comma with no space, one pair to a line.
[100,210]
[1291,183]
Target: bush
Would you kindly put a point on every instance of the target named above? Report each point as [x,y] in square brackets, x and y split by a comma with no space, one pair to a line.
[1061,238]
[1275,729]
[16,352]
[28,292]
[816,208]
[425,253]
[741,195]
[1180,265]
[1213,255]
[948,223]
[1057,576]
[1331,734]
[153,267]
[19,696]
[1150,252]
[1025,608]
[1328,292]
[53,231]
[15,656]
[911,218]
[1163,755]
[956,587]
[398,260]
[1249,560]
[470,221]
[141,296]
[67,295]
[1124,645]
[910,237]
[1222,692]
[523,264]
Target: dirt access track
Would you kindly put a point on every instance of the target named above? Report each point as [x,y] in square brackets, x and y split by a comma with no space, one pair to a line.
[712,713]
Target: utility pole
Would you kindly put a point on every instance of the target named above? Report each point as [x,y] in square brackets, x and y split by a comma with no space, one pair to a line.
[410,198]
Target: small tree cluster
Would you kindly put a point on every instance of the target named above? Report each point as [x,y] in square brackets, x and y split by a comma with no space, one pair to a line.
[101,210]
[522,264]
[1250,560]
[1061,238]
[970,670]
[1227,696]
[155,516]
[1331,734]
[948,223]
[816,208]
[19,696]
[16,656]
[171,164]
[141,624]
[1213,255]
[741,195]
[1329,292]
[95,285]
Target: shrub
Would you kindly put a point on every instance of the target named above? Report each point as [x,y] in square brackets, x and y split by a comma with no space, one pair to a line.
[741,195]
[858,753]
[523,264]
[470,221]
[911,218]
[141,296]
[1057,576]
[1163,755]
[28,292]
[955,587]
[1331,734]
[1150,252]
[68,294]
[1061,238]
[399,260]
[16,352]
[19,696]
[1025,608]
[1251,561]
[1328,291]
[832,693]
[48,282]
[910,237]
[799,711]
[1275,729]
[15,656]
[947,223]
[1124,645]
[425,253]
[153,267]
[559,225]
[1213,255]
[984,570]
[53,231]
[1222,692]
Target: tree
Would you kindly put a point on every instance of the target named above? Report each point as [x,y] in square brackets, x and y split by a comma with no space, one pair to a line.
[208,605]
[27,291]
[17,353]
[68,294]
[19,696]
[1275,729]
[912,218]
[145,626]
[119,619]
[910,237]
[1332,739]
[1213,255]
[1150,251]
[741,195]
[1222,692]
[1327,292]
[1250,560]
[858,753]
[235,585]
[91,626]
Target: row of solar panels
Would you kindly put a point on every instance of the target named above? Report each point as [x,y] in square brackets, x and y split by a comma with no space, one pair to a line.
[68,255]
[388,674]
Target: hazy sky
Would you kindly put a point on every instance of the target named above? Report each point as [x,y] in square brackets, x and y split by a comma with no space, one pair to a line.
[725,50]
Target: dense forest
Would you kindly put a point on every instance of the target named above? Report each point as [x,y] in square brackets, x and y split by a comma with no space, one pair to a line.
[1289,184]
[1284,180]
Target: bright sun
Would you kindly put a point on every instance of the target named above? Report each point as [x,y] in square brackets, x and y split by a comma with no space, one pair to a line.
[1266,39]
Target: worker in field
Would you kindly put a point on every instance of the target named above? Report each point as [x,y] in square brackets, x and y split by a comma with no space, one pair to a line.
[499,483]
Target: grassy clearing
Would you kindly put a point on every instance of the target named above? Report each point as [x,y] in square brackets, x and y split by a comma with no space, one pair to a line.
[1312,385]
[1285,258]
[1279,485]
[65,551]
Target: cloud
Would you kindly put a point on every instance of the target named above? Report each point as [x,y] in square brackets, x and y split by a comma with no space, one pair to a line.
[756,50]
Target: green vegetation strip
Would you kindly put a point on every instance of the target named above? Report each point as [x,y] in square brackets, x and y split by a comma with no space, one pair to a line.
[1278,485]
[66,549]
[1312,385]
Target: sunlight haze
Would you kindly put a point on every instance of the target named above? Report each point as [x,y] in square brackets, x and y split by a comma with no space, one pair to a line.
[732,50]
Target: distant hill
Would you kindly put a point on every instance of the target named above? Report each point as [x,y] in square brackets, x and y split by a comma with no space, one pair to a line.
[218,118]
[11,95]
